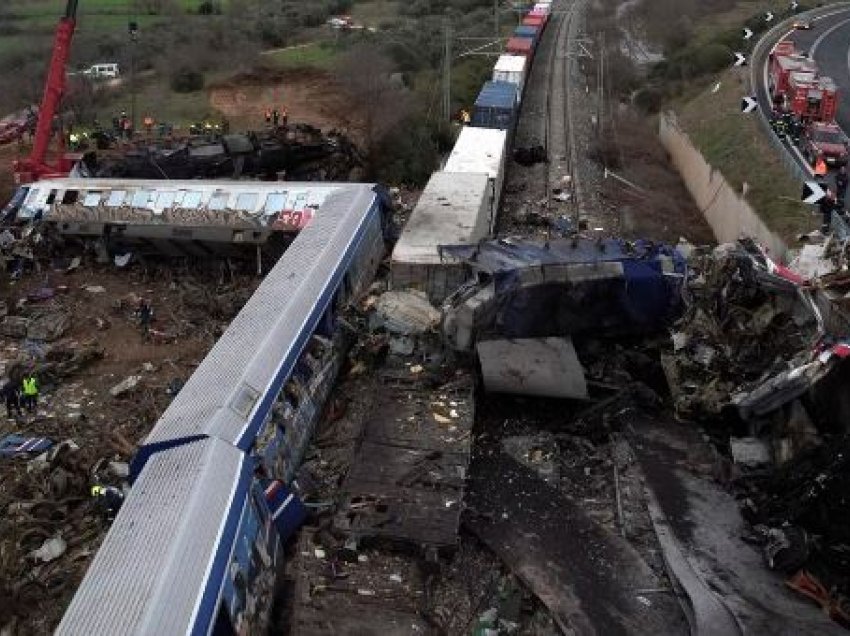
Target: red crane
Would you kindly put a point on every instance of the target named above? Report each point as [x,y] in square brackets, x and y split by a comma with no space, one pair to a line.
[36,166]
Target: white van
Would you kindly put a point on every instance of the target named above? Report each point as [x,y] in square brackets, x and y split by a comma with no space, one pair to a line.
[102,70]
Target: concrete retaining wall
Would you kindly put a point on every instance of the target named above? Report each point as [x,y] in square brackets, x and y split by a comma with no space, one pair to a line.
[727,212]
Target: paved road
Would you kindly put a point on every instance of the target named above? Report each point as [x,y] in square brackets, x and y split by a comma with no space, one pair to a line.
[829,43]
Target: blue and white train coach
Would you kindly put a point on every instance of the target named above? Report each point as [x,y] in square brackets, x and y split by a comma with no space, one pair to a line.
[195,548]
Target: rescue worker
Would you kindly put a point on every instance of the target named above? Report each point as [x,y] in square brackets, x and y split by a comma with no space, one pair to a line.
[275,117]
[108,500]
[827,205]
[820,167]
[148,123]
[12,396]
[145,317]
[841,181]
[284,117]
[268,116]
[787,123]
[29,389]
[464,117]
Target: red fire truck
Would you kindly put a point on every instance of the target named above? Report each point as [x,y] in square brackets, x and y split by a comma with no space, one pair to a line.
[797,87]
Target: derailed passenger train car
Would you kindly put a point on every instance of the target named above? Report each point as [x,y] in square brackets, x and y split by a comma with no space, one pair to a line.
[197,544]
[177,218]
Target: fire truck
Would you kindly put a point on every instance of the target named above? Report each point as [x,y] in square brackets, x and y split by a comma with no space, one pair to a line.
[796,86]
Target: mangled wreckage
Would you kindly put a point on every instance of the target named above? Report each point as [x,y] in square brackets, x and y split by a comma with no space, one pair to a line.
[756,358]
[523,289]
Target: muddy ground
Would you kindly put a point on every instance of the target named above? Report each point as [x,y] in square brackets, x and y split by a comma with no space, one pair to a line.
[98,344]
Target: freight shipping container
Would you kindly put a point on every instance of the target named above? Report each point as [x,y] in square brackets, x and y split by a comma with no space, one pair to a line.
[496,106]
[529,32]
[511,68]
[539,13]
[453,210]
[519,46]
[480,150]
[536,21]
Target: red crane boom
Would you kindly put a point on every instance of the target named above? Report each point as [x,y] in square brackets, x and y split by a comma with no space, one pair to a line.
[36,166]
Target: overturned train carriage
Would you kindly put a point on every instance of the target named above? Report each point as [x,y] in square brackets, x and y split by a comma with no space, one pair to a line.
[175,218]
[198,542]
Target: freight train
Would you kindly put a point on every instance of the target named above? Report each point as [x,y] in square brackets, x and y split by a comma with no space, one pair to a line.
[460,202]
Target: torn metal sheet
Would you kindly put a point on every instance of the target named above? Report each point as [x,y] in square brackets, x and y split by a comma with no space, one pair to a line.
[782,388]
[545,367]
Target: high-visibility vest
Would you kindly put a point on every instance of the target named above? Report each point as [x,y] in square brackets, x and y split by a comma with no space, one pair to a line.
[820,167]
[97,490]
[30,386]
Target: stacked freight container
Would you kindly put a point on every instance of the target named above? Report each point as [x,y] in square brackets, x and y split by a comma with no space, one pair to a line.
[496,106]
[511,68]
[459,205]
[454,209]
[480,150]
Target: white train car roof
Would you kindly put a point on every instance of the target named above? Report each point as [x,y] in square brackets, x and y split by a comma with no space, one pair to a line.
[173,535]
[229,394]
[478,150]
[452,210]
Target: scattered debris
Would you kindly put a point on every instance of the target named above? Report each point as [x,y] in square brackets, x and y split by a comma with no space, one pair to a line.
[405,313]
[16,445]
[50,550]
[125,386]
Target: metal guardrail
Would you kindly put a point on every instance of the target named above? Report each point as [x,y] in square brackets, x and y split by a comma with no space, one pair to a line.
[758,60]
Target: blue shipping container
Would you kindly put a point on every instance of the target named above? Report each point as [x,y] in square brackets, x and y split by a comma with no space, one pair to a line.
[495,106]
[529,32]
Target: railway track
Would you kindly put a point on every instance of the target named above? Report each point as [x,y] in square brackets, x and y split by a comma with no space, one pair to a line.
[559,126]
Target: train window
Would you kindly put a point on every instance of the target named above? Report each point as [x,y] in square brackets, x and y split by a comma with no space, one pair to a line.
[191,199]
[218,201]
[292,393]
[223,626]
[70,197]
[247,201]
[275,203]
[165,200]
[141,198]
[92,199]
[51,197]
[116,198]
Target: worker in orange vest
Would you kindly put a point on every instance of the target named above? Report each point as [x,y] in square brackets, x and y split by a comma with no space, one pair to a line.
[820,167]
[268,116]
[148,123]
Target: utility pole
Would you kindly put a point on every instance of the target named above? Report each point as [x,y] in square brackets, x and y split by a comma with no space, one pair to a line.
[447,71]
[133,30]
[496,19]
[601,87]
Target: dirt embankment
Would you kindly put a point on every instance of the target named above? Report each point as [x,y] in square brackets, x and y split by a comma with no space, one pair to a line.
[310,96]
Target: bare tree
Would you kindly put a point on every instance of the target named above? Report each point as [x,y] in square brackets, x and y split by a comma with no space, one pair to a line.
[379,102]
